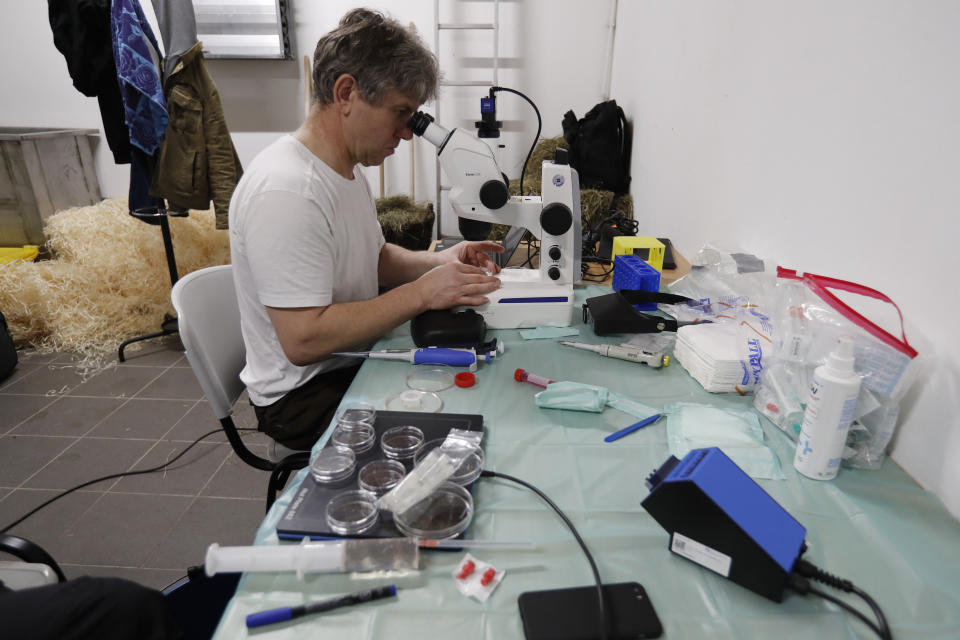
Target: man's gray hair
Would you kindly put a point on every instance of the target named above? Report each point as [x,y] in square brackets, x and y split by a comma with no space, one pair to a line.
[379,53]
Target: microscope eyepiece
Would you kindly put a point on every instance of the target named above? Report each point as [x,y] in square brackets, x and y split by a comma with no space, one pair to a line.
[419,122]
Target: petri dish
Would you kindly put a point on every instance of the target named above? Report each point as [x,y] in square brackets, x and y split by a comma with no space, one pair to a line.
[332,465]
[380,476]
[401,443]
[352,414]
[352,512]
[445,513]
[430,380]
[413,400]
[359,437]
[468,471]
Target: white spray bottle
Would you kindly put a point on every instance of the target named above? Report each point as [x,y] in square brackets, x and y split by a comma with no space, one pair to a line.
[830,409]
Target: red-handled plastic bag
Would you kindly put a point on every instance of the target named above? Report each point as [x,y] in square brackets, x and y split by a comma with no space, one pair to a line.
[809,318]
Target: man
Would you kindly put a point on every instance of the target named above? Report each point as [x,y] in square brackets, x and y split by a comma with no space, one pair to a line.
[308,253]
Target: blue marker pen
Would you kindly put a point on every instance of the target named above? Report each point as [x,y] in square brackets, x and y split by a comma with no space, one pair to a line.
[289,613]
[634,427]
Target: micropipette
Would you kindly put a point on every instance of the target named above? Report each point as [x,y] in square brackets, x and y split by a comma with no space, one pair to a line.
[622,352]
[429,355]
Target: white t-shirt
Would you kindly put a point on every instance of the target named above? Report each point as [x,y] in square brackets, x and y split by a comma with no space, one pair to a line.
[301,235]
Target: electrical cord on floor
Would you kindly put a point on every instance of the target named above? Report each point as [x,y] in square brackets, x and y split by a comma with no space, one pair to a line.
[583,545]
[110,477]
[804,572]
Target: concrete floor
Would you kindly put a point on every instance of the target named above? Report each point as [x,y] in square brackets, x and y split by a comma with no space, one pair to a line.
[59,429]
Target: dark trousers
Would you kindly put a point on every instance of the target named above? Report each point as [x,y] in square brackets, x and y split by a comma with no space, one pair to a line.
[298,419]
[102,608]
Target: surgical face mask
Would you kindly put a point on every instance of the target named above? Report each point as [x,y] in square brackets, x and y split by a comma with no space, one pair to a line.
[573,396]
[736,431]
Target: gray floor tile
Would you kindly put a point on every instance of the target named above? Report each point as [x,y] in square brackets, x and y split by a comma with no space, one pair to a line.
[237,479]
[143,418]
[47,380]
[69,416]
[32,356]
[89,458]
[118,382]
[124,530]
[187,476]
[15,409]
[22,370]
[175,383]
[153,578]
[47,527]
[21,456]
[198,421]
[228,522]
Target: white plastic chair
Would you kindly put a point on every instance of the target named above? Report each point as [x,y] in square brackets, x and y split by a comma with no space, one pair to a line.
[209,319]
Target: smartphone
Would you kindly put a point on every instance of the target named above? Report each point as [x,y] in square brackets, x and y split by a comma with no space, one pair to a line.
[574,614]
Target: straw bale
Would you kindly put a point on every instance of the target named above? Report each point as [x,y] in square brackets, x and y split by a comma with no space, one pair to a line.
[107,281]
[404,222]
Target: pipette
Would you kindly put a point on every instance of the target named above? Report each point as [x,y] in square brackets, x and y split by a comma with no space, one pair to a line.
[623,352]
[429,355]
[521,375]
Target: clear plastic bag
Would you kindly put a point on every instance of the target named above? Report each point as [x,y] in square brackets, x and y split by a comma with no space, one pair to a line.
[735,288]
[808,320]
[438,465]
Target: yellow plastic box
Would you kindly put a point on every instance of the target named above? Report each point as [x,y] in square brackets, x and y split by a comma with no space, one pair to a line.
[647,248]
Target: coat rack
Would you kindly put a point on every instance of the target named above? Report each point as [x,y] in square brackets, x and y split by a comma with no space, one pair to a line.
[169,325]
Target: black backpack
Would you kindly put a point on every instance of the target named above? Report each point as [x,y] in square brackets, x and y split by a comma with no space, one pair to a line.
[600,147]
[8,352]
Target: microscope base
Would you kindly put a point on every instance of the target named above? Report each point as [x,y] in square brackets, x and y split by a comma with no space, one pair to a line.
[525,301]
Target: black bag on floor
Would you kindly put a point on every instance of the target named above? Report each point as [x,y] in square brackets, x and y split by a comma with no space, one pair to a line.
[8,353]
[600,147]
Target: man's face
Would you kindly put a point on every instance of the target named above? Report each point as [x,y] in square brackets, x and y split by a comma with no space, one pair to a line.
[374,131]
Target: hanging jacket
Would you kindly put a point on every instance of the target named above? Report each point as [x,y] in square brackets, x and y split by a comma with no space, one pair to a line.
[197,162]
[81,32]
[177,22]
[136,53]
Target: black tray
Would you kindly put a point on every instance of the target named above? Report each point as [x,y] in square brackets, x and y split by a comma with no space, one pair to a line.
[306,514]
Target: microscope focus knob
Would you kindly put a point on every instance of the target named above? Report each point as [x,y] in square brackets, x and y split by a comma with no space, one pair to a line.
[556,218]
[554,252]
[554,273]
[494,194]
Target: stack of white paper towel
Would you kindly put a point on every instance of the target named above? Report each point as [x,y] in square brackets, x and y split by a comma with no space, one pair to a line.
[709,353]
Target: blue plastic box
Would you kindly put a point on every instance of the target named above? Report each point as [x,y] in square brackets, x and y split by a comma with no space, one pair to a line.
[632,272]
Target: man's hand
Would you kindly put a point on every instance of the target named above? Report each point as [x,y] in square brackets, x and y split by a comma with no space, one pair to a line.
[455,283]
[472,253]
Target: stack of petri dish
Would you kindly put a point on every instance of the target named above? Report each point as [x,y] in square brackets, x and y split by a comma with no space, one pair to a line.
[445,513]
[354,428]
[401,443]
[332,465]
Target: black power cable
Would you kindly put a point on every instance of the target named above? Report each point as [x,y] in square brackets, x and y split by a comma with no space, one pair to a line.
[523,172]
[799,581]
[110,477]
[576,534]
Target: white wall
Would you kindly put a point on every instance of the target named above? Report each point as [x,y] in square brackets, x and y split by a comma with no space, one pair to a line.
[263,100]
[824,135]
[820,134]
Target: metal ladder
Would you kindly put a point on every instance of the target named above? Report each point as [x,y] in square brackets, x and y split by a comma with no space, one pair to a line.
[494,28]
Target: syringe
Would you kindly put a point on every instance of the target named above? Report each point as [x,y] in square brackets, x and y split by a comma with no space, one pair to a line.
[521,375]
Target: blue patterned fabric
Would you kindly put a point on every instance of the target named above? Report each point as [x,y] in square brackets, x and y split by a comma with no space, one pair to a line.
[145,110]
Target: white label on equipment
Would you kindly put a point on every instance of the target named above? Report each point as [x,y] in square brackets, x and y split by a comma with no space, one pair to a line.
[701,554]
